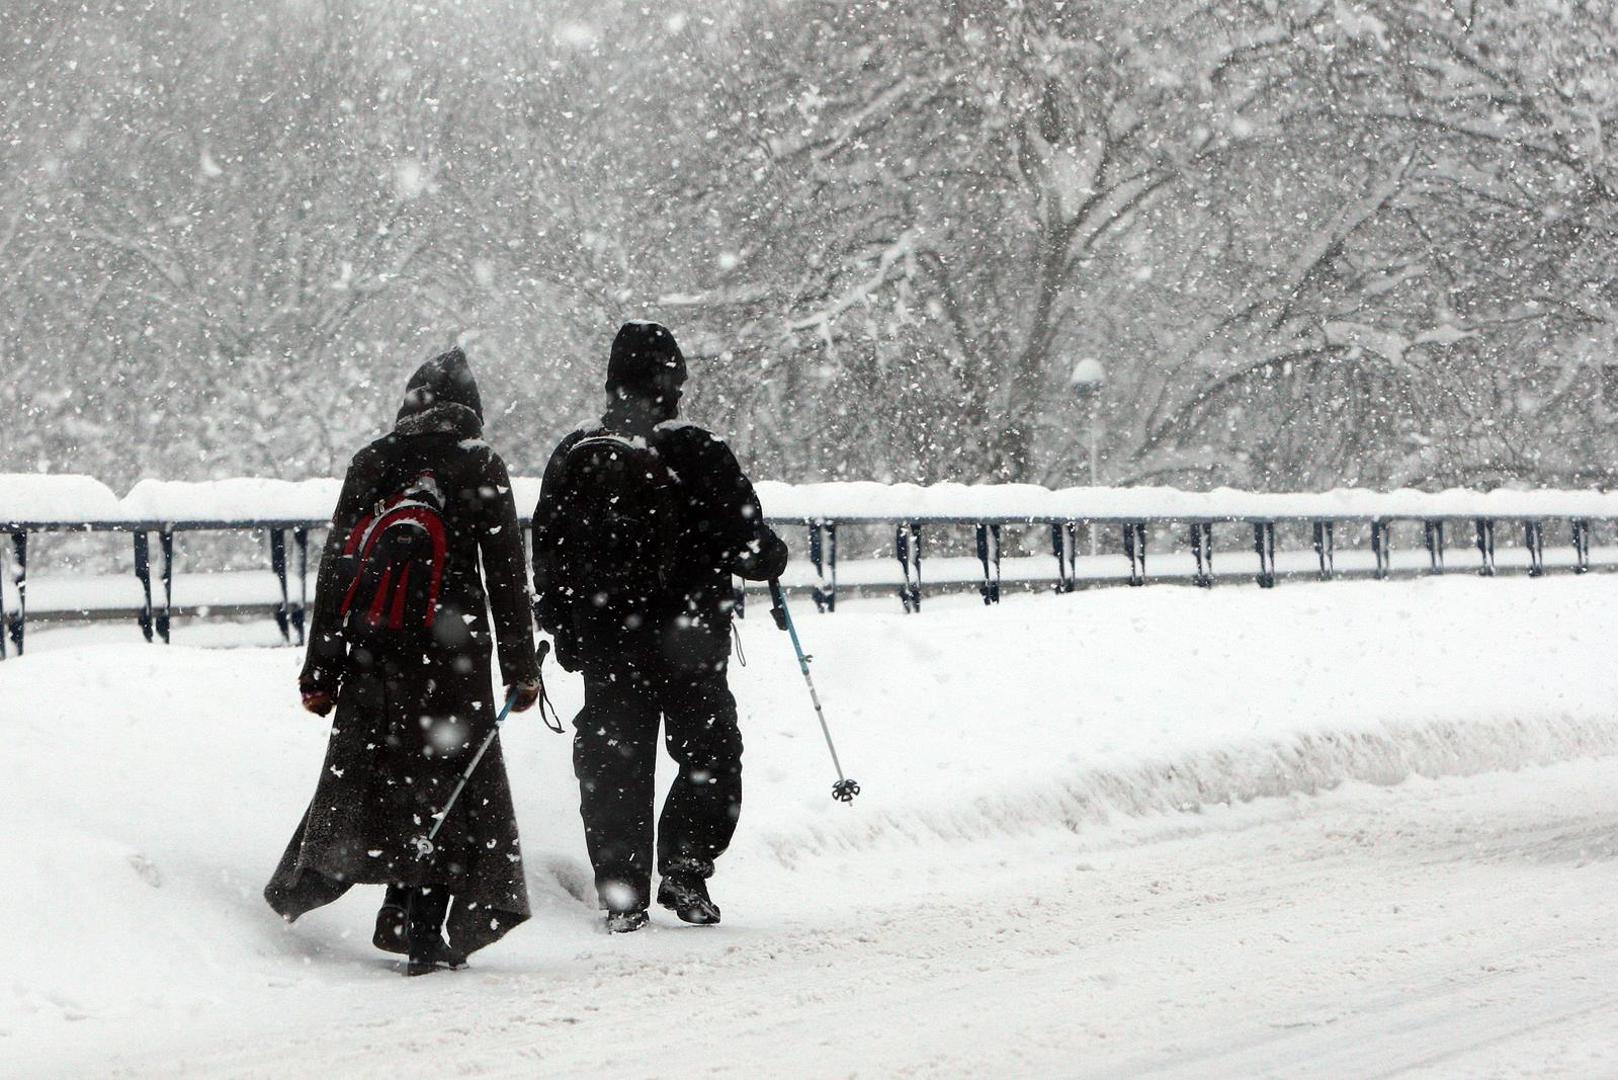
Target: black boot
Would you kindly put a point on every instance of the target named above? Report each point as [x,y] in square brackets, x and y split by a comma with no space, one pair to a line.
[427,949]
[392,922]
[687,896]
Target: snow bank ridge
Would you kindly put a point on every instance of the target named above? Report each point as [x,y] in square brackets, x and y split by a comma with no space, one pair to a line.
[1304,764]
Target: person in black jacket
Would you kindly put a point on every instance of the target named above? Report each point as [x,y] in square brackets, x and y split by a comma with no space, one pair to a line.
[656,653]
[407,668]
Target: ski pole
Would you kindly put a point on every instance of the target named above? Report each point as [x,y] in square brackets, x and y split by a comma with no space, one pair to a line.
[424,844]
[845,789]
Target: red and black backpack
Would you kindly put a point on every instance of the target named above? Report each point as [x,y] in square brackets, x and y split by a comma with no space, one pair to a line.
[396,556]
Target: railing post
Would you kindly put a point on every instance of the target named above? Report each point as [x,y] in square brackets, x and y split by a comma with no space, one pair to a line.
[1202,549]
[143,574]
[901,551]
[1264,545]
[165,540]
[1070,543]
[915,555]
[1057,545]
[300,540]
[5,619]
[1434,531]
[831,566]
[1382,548]
[19,576]
[278,564]
[1326,548]
[3,648]
[989,556]
[1065,546]
[823,554]
[815,560]
[981,532]
[1581,546]
[1135,549]
[1485,528]
[907,545]
[1534,539]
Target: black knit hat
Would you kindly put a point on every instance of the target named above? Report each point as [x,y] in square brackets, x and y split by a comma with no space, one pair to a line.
[640,353]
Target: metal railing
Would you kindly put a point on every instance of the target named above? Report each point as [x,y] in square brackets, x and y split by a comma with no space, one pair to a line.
[909,546]
[288,544]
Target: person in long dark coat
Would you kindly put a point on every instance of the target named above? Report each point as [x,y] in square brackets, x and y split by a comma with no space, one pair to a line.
[663,658]
[413,705]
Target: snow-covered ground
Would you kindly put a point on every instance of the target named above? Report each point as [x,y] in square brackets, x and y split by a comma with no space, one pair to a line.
[1361,828]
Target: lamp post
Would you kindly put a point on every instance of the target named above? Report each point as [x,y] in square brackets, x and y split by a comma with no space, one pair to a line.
[1088,379]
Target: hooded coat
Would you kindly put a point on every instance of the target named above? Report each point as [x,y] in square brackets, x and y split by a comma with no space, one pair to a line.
[413,707]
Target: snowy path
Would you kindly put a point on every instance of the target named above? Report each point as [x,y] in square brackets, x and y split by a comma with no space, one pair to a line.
[1113,835]
[1459,926]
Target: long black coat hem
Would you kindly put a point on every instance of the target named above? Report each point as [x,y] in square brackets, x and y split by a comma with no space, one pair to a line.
[296,889]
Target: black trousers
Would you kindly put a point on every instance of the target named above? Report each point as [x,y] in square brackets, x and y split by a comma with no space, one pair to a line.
[615,758]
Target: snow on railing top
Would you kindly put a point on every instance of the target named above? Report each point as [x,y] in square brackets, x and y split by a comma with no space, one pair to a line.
[242,498]
[29,500]
[852,501]
[66,499]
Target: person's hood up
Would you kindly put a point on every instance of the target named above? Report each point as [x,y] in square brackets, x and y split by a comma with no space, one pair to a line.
[442,396]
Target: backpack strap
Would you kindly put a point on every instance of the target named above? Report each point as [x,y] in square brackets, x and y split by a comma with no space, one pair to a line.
[609,438]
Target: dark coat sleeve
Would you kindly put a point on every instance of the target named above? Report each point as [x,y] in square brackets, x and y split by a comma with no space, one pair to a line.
[328,650]
[500,541]
[552,605]
[728,517]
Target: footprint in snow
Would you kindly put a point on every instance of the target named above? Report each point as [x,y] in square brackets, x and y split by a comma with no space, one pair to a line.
[147,870]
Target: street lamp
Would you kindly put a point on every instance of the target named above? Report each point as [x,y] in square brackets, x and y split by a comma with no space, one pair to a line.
[1088,379]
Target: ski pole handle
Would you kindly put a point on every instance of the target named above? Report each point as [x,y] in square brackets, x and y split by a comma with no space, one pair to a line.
[778,604]
[783,619]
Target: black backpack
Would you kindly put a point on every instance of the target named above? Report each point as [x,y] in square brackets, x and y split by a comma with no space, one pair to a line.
[616,529]
[395,559]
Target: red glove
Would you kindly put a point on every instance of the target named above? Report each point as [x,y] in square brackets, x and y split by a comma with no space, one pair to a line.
[318,702]
[527,694]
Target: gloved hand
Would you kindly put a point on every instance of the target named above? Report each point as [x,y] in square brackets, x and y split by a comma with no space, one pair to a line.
[762,559]
[318,702]
[527,694]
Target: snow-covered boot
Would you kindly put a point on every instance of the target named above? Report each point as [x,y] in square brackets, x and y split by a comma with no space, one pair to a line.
[687,896]
[626,922]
